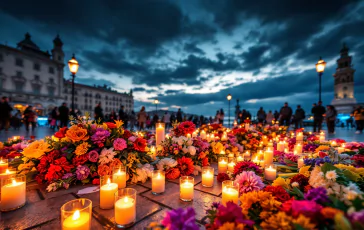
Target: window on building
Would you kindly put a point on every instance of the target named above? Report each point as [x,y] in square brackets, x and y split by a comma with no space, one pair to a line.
[85,100]
[345,88]
[36,77]
[36,89]
[19,86]
[19,74]
[51,70]
[1,58]
[19,62]
[36,66]
[51,91]
[51,80]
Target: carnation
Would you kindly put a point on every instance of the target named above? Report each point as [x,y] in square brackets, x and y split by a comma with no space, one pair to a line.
[82,172]
[106,156]
[246,166]
[248,181]
[319,195]
[278,192]
[119,144]
[93,156]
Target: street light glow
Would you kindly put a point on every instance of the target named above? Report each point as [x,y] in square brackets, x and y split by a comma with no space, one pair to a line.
[229,97]
[320,66]
[73,65]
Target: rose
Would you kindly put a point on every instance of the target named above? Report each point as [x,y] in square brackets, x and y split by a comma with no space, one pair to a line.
[93,156]
[192,150]
[110,125]
[119,144]
[76,134]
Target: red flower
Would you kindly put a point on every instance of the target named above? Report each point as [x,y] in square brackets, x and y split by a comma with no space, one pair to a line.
[172,173]
[127,134]
[80,160]
[140,144]
[61,133]
[222,177]
[96,181]
[58,169]
[186,127]
[322,154]
[278,192]
[205,162]
[246,166]
[301,179]
[110,125]
[185,166]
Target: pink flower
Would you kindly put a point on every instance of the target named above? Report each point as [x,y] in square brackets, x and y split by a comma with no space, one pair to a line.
[119,144]
[132,138]
[248,181]
[93,156]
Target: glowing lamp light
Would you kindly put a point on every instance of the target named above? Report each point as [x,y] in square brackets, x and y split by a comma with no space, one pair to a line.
[320,66]
[229,97]
[156,101]
[73,65]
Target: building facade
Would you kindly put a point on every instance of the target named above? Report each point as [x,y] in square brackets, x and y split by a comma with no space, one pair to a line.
[30,76]
[344,99]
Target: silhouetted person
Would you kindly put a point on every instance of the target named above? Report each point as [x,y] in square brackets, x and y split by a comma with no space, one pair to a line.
[285,115]
[179,115]
[5,113]
[123,116]
[299,116]
[63,115]
[318,111]
[276,115]
[261,115]
[54,118]
[142,118]
[330,116]
[166,119]
[29,118]
[270,117]
[98,112]
[359,119]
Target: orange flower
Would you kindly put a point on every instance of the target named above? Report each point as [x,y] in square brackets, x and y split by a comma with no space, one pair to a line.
[76,133]
[36,149]
[103,170]
[82,149]
[329,212]
[116,162]
[172,173]
[185,166]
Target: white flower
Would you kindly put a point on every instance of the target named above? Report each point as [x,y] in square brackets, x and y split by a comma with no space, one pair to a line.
[52,187]
[181,140]
[196,169]
[148,168]
[192,150]
[166,163]
[189,142]
[295,184]
[106,156]
[331,175]
[141,175]
[185,150]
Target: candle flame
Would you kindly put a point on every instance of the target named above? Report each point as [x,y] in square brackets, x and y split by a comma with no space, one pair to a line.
[1,160]
[343,145]
[13,181]
[270,166]
[158,176]
[76,215]
[119,171]
[160,126]
[7,171]
[108,181]
[126,199]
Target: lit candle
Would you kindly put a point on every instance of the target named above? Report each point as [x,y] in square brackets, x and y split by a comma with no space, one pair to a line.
[322,137]
[340,150]
[299,137]
[160,133]
[158,182]
[3,165]
[207,176]
[270,173]
[222,165]
[268,157]
[119,176]
[188,135]
[247,155]
[230,192]
[280,146]
[13,193]
[186,188]
[300,162]
[298,149]
[208,137]
[286,150]
[235,123]
[7,174]
[78,221]
[224,137]
[222,152]
[167,136]
[194,134]
[231,165]
[333,143]
[247,126]
[256,160]
[107,193]
[125,208]
[203,134]
[265,140]
[239,158]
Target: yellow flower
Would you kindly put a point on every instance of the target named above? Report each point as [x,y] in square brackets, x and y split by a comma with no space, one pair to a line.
[304,222]
[281,182]
[232,226]
[36,149]
[217,147]
[351,168]
[279,221]
[264,199]
[119,123]
[82,149]
[1,145]
[304,170]
[322,148]
[76,134]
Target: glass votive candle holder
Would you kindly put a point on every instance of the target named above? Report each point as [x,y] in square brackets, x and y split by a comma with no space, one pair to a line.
[231,164]
[125,207]
[239,157]
[207,176]
[13,193]
[107,192]
[222,165]
[230,192]
[3,165]
[186,184]
[158,182]
[119,176]
[247,155]
[270,172]
[7,174]
[76,214]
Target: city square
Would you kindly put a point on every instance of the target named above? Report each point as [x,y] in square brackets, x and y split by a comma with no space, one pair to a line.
[181,115]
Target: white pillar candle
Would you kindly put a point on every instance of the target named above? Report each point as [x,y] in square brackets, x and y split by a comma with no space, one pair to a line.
[207,176]
[300,162]
[186,190]
[125,211]
[280,146]
[7,174]
[265,140]
[268,157]
[222,165]
[119,178]
[78,221]
[12,195]
[158,182]
[299,137]
[160,133]
[230,194]
[107,195]
[203,134]
[298,149]
[270,173]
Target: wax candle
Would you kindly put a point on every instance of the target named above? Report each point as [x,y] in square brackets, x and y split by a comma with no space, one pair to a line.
[125,208]
[222,152]
[78,221]
[298,149]
[268,157]
[286,150]
[160,133]
[119,177]
[230,192]
[239,158]
[3,165]
[194,134]
[333,143]
[300,162]
[247,155]
[280,146]
[207,176]
[13,193]
[270,173]
[256,160]
[340,150]
[188,135]
[265,140]
[7,174]
[158,182]
[222,165]
[186,188]
[231,164]
[224,137]
[247,126]
[203,134]
[208,137]
[235,123]
[299,137]
[107,193]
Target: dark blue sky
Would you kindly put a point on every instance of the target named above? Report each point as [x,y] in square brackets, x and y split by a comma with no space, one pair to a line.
[192,53]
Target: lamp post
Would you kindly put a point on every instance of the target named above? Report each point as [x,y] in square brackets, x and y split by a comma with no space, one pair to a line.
[320,67]
[229,98]
[73,66]
[156,105]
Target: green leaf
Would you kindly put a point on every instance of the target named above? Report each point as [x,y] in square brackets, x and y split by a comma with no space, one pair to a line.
[329,167]
[298,192]
[351,175]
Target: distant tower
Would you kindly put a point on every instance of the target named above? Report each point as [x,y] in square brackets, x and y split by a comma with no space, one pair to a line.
[237,109]
[344,82]
[57,52]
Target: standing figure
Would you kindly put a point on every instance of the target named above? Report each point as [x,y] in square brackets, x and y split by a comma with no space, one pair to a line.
[63,115]
[318,112]
[285,115]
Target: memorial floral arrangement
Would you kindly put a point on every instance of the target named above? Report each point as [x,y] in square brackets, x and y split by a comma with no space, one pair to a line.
[183,128]
[213,128]
[250,139]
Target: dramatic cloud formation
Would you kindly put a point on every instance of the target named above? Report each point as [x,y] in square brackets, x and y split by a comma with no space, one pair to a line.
[191,54]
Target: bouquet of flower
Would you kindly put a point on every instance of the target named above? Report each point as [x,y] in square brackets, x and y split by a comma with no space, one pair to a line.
[249,139]
[183,128]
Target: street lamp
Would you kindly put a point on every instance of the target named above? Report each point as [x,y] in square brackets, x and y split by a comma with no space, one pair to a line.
[156,104]
[320,67]
[73,66]
[229,98]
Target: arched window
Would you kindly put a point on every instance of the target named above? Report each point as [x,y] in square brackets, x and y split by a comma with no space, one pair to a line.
[345,88]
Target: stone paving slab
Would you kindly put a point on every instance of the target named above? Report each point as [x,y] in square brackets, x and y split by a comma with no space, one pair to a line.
[215,190]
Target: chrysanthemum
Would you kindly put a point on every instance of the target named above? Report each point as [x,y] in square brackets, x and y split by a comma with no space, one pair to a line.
[82,149]
[248,181]
[278,221]
[331,175]
[166,163]
[185,166]
[106,156]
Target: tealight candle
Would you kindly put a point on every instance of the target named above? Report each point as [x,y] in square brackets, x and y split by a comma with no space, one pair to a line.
[239,158]
[265,140]
[107,192]
[333,143]
[119,176]
[13,193]
[231,155]
[224,137]
[300,162]
[256,160]
[76,214]
[159,133]
[231,164]
[194,134]
[222,152]
[158,182]
[270,173]
[186,188]
[222,165]
[7,174]
[247,155]
[268,157]
[207,176]
[125,207]
[230,192]
[203,134]
[3,165]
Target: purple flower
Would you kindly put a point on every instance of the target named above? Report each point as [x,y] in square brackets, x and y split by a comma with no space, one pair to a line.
[119,144]
[357,216]
[132,138]
[100,136]
[319,195]
[93,156]
[82,172]
[248,181]
[182,219]
[67,176]
[231,213]
[310,147]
